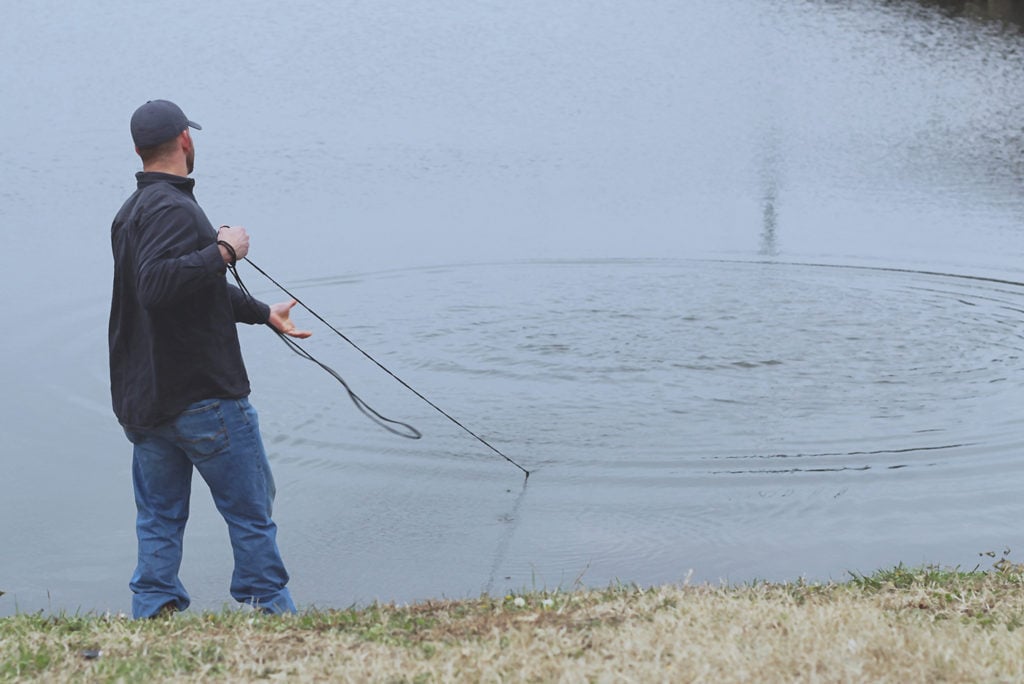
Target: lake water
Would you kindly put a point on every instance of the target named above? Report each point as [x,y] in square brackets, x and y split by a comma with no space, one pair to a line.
[737,281]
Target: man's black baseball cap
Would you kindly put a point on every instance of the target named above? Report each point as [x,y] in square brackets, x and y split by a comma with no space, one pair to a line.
[158,121]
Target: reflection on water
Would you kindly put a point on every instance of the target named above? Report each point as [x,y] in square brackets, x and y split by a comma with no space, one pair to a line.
[1003,10]
[649,183]
[769,237]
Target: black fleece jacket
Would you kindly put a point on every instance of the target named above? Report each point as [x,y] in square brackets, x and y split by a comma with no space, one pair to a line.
[172,335]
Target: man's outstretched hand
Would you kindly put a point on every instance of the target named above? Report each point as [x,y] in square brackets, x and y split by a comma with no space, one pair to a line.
[280,320]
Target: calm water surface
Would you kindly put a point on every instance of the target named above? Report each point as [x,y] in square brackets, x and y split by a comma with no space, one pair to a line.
[737,281]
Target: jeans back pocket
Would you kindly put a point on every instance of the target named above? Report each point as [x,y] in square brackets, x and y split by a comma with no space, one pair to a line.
[201,431]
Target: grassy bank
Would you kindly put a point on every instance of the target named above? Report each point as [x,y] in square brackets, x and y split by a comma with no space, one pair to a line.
[904,624]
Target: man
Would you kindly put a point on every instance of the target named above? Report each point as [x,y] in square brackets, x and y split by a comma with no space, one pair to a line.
[177,379]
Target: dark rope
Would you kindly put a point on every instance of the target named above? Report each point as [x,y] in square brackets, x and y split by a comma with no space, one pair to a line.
[387,423]
[409,431]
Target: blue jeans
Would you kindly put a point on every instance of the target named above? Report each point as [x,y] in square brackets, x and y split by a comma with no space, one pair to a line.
[221,439]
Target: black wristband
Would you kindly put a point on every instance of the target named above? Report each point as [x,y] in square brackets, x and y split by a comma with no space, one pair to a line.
[231,251]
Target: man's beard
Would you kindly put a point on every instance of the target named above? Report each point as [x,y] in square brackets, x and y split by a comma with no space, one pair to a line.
[190,159]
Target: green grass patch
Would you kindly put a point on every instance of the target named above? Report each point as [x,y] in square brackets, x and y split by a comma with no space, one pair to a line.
[908,620]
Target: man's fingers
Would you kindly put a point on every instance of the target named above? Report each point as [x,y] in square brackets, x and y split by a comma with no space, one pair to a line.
[282,321]
[284,307]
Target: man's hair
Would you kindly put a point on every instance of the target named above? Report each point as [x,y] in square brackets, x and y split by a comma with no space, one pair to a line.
[157,152]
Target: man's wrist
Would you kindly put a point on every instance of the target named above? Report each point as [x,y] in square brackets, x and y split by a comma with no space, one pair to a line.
[227,252]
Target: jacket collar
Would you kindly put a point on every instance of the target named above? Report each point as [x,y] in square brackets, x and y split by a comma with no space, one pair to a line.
[146,178]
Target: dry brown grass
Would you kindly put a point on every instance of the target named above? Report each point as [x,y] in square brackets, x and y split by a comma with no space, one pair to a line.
[917,625]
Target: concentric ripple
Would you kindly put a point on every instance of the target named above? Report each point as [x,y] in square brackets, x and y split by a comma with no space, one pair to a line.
[621,368]
[736,418]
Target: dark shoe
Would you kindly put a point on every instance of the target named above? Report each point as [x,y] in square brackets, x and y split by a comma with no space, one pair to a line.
[166,611]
